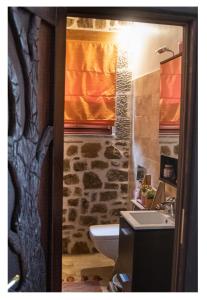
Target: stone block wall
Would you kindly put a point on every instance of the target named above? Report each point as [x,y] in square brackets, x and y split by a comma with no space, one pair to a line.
[95,24]
[95,180]
[95,187]
[148,144]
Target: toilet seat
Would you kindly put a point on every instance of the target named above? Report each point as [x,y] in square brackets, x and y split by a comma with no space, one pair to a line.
[106,231]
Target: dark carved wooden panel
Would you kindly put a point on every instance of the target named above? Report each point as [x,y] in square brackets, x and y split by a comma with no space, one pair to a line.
[27,148]
[13,257]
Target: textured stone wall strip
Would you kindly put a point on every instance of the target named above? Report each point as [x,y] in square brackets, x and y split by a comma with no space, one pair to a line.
[123,128]
[123,81]
[122,105]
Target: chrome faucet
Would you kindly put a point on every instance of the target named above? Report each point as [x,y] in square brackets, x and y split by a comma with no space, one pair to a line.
[168,206]
[173,208]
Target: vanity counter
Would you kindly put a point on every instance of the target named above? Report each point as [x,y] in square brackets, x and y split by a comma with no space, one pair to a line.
[137,204]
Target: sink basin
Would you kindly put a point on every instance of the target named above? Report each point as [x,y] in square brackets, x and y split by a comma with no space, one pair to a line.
[148,219]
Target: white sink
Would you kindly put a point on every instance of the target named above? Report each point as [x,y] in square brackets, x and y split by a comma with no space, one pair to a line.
[148,219]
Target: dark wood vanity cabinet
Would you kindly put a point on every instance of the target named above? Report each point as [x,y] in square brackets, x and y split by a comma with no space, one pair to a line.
[145,259]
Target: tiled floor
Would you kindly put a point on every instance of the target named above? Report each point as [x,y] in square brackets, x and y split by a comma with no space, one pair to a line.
[90,270]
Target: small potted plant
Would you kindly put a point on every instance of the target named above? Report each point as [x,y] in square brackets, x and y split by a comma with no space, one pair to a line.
[150,194]
[143,190]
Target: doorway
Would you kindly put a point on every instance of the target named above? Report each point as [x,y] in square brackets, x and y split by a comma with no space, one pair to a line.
[135,139]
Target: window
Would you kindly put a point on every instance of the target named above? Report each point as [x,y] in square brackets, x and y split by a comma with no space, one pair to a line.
[90,81]
[170,94]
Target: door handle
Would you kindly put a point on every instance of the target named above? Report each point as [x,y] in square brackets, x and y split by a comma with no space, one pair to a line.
[14,280]
[182,226]
[125,231]
[124,277]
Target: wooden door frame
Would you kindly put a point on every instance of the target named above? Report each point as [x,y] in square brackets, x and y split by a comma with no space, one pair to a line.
[58,20]
[57,188]
[187,188]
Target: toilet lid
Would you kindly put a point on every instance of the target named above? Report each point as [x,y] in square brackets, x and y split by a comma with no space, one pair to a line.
[108,231]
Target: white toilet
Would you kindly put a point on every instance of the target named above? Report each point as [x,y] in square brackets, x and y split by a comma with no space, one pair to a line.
[106,239]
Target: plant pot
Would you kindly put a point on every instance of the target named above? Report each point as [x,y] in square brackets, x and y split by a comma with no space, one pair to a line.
[148,202]
[143,198]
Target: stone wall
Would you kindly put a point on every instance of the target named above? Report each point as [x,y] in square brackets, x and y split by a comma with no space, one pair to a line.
[95,24]
[95,181]
[95,187]
[148,144]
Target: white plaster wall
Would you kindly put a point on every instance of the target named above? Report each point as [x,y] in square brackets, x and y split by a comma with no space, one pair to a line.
[142,40]
[144,60]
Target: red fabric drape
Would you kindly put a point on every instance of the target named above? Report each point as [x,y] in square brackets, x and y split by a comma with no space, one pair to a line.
[90,81]
[170,93]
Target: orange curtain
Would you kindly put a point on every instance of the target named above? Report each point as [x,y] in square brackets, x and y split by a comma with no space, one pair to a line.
[170,93]
[90,79]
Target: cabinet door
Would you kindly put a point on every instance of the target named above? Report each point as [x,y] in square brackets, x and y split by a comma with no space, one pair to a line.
[152,265]
[125,259]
